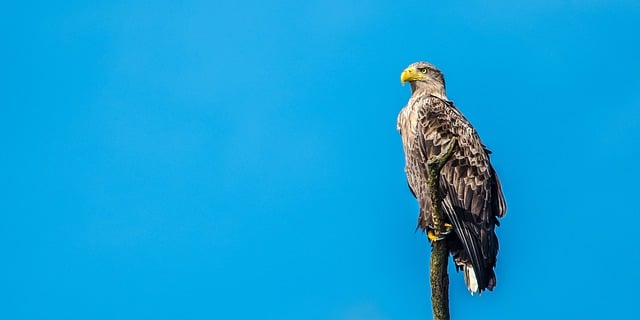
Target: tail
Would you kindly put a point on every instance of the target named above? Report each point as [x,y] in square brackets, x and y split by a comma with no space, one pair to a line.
[471,280]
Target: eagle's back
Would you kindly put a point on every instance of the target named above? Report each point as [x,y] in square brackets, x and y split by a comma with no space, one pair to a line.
[470,188]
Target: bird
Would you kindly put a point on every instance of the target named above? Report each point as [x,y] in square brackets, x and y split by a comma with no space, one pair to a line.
[471,193]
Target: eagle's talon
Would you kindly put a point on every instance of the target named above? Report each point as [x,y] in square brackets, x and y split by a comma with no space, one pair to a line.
[431,234]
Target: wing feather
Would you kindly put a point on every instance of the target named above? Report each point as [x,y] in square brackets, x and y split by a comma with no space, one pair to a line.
[471,190]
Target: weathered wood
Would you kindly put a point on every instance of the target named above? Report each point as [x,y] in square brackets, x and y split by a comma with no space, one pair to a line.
[439,252]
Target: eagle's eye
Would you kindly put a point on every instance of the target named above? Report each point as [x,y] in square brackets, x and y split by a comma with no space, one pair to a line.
[423,70]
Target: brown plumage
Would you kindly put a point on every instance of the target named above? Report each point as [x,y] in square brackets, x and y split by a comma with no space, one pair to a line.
[471,191]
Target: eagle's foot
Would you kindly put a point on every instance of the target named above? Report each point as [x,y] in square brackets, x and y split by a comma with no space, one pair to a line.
[435,235]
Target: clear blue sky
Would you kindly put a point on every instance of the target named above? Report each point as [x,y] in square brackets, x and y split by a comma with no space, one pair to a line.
[239,160]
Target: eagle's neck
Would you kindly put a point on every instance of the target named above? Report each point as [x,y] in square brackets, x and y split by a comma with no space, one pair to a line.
[428,88]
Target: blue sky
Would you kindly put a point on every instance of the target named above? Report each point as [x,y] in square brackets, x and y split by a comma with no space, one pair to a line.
[239,160]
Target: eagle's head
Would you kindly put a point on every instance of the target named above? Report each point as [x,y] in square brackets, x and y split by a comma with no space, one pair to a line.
[424,76]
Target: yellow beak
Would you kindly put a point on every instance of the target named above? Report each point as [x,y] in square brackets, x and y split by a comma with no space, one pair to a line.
[411,74]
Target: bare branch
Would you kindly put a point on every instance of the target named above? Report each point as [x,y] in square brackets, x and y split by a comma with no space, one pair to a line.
[439,251]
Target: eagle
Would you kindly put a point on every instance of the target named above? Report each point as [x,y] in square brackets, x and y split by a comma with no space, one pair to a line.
[472,198]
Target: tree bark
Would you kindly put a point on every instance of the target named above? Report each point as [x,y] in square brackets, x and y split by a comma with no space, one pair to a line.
[439,252]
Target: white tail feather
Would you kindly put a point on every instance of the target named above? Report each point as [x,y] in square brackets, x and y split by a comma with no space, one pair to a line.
[470,278]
